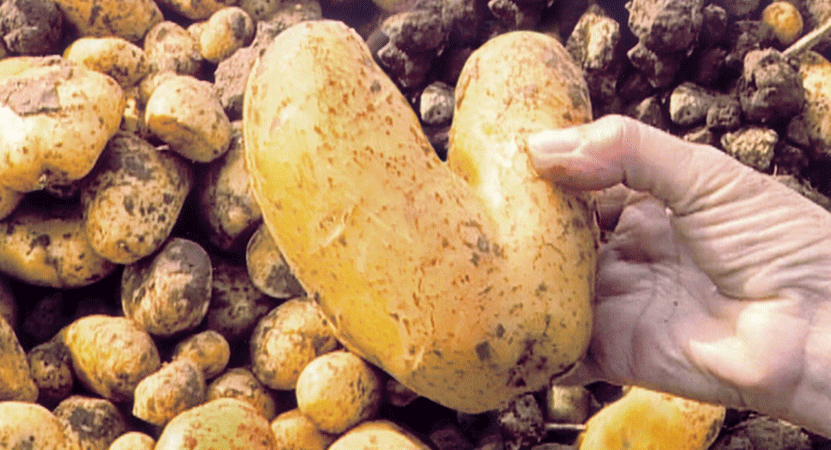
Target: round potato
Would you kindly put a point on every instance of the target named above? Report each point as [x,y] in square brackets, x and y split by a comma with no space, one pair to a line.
[31,426]
[110,355]
[174,388]
[218,424]
[208,350]
[92,422]
[226,31]
[242,384]
[337,391]
[268,269]
[469,282]
[236,304]
[50,364]
[286,340]
[133,440]
[129,19]
[169,47]
[114,56]
[378,435]
[132,198]
[15,379]
[294,431]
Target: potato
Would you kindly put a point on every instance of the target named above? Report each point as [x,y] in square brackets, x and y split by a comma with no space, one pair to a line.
[176,387]
[815,71]
[128,19]
[32,427]
[185,113]
[225,200]
[110,355]
[170,291]
[294,431]
[93,423]
[225,32]
[236,304]
[15,380]
[208,350]
[240,383]
[114,56]
[567,404]
[133,440]
[50,365]
[8,305]
[9,200]
[469,282]
[169,47]
[47,246]
[378,435]
[268,269]
[196,9]
[644,419]
[132,198]
[785,20]
[224,423]
[286,340]
[58,116]
[337,391]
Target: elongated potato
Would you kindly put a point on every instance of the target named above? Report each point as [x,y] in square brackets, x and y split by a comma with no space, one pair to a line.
[468,285]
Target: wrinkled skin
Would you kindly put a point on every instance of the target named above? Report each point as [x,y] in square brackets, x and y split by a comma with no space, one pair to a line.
[715,283]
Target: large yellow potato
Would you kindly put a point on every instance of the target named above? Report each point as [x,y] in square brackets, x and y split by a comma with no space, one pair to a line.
[469,282]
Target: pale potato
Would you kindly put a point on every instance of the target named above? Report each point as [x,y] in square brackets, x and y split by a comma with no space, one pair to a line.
[294,431]
[286,340]
[241,384]
[450,277]
[378,435]
[815,72]
[196,9]
[224,423]
[133,440]
[337,391]
[225,32]
[94,423]
[176,387]
[15,379]
[169,47]
[32,427]
[208,350]
[128,19]
[113,56]
[268,269]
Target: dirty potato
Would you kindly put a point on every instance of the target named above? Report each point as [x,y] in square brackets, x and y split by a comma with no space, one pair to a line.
[176,387]
[110,355]
[224,423]
[15,380]
[286,340]
[294,431]
[50,364]
[268,269]
[26,425]
[129,19]
[226,31]
[240,383]
[93,423]
[378,435]
[337,391]
[169,47]
[236,304]
[114,56]
[169,291]
[208,350]
[132,198]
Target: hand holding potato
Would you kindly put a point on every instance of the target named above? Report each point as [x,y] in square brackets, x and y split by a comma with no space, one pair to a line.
[713,284]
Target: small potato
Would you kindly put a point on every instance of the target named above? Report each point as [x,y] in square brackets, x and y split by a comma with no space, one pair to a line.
[208,350]
[132,198]
[226,31]
[128,19]
[114,56]
[337,391]
[378,435]
[32,427]
[196,9]
[226,202]
[8,201]
[185,113]
[15,380]
[224,423]
[110,355]
[567,404]
[286,340]
[169,47]
[785,20]
[50,365]
[133,440]
[57,116]
[170,291]
[815,72]
[241,384]
[294,431]
[176,387]
[236,304]
[268,269]
[92,422]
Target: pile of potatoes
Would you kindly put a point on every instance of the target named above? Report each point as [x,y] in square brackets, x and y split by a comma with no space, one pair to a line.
[144,300]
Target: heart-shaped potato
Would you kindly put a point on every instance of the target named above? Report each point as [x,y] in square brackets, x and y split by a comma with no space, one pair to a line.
[469,281]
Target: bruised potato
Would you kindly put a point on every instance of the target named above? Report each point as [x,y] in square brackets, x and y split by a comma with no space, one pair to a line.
[470,282]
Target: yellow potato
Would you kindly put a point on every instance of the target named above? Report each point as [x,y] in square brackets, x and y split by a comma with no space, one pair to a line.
[378,435]
[31,426]
[240,383]
[225,423]
[114,56]
[15,380]
[294,431]
[174,388]
[133,440]
[815,72]
[785,20]
[470,283]
[129,19]
[208,350]
[92,422]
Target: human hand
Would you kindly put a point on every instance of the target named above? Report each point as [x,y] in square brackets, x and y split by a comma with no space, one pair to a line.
[716,281]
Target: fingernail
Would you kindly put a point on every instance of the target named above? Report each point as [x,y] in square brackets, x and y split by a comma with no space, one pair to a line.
[554,141]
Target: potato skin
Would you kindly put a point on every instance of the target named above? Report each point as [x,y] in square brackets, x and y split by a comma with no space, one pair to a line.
[31,426]
[15,380]
[93,422]
[473,293]
[378,435]
[221,423]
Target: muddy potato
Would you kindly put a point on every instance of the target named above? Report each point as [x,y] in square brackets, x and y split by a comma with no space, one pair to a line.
[815,71]
[128,19]
[50,365]
[218,424]
[268,269]
[32,427]
[286,340]
[337,391]
[208,350]
[236,304]
[132,198]
[185,113]
[114,56]
[47,246]
[241,384]
[469,282]
[196,9]
[110,355]
[133,440]
[176,387]
[294,431]
[226,31]
[169,291]
[93,423]
[169,47]
[785,20]
[15,380]
[225,200]
[378,435]
[57,116]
